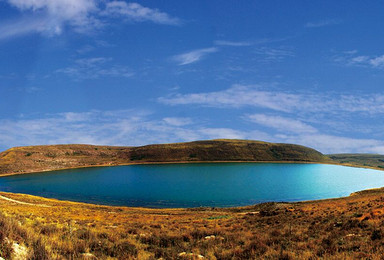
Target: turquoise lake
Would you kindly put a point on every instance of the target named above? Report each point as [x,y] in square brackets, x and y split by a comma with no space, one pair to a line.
[194,185]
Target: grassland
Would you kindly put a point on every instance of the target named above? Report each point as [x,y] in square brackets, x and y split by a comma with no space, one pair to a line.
[375,161]
[38,228]
[346,228]
[54,157]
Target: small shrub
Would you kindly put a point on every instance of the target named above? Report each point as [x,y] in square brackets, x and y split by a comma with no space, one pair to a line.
[255,248]
[376,234]
[199,234]
[84,234]
[5,249]
[39,252]
[284,256]
[125,249]
[48,230]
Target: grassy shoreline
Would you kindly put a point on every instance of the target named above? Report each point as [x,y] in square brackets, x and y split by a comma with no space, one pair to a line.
[192,162]
[56,157]
[34,227]
[348,228]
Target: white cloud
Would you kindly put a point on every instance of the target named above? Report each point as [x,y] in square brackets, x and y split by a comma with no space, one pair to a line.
[85,49]
[330,112]
[248,43]
[24,26]
[76,13]
[273,54]
[255,96]
[51,17]
[335,144]
[138,13]
[351,52]
[377,61]
[177,121]
[281,124]
[236,96]
[232,43]
[98,44]
[68,9]
[223,133]
[323,23]
[350,59]
[133,127]
[359,59]
[122,127]
[97,67]
[193,56]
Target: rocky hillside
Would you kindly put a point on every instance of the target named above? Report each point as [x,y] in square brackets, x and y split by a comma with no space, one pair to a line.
[53,157]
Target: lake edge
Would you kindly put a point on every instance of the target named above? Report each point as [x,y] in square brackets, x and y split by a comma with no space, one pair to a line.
[173,204]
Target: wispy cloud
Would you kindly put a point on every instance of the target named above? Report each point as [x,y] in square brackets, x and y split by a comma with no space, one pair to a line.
[236,96]
[268,54]
[93,68]
[133,127]
[193,56]
[256,96]
[352,59]
[91,47]
[76,13]
[87,127]
[281,124]
[317,120]
[85,49]
[248,43]
[121,127]
[375,62]
[24,26]
[138,13]
[177,121]
[223,133]
[335,144]
[234,44]
[322,23]
[83,16]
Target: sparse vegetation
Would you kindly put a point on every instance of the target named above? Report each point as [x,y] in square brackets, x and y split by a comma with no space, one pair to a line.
[375,161]
[346,228]
[55,157]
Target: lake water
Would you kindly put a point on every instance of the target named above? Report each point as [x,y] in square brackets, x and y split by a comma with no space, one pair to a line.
[193,185]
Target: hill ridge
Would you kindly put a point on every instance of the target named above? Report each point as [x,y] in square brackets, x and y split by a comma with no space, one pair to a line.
[40,158]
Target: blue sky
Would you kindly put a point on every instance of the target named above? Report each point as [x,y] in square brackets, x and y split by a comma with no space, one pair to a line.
[134,73]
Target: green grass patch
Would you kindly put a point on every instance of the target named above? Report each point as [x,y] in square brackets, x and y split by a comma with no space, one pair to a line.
[219,217]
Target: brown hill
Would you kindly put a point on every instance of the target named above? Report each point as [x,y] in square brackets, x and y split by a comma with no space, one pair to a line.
[54,157]
[375,161]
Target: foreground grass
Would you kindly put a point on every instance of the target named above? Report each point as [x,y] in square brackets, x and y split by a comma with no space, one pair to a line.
[347,228]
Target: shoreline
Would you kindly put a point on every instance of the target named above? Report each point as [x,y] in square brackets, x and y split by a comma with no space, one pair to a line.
[4,195]
[192,162]
[155,232]
[188,162]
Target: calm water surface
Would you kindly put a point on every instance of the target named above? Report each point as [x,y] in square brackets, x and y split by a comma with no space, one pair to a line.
[193,185]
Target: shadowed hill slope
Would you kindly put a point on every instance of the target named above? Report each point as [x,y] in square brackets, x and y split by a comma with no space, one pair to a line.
[359,159]
[53,157]
[226,150]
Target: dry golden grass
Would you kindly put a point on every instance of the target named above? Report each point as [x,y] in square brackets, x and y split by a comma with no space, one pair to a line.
[21,160]
[347,228]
